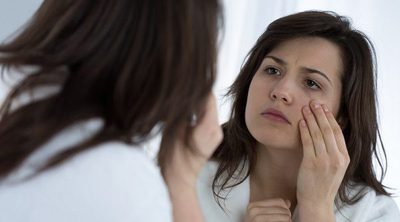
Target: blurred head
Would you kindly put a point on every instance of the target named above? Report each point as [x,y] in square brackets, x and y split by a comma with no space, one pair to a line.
[302,57]
[134,64]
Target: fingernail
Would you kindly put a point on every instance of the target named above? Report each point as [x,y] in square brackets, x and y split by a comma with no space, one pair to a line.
[307,110]
[317,105]
[325,108]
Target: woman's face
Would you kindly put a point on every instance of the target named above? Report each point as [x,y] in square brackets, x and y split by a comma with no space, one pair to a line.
[290,76]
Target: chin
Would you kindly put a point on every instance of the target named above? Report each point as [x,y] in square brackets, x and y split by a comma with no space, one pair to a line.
[279,146]
[281,142]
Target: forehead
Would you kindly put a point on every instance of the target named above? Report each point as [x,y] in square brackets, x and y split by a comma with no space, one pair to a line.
[311,52]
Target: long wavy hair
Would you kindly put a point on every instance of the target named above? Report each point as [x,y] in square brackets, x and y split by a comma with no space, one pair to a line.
[134,64]
[358,108]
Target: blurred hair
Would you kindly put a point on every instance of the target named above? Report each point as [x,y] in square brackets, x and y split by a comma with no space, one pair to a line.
[134,64]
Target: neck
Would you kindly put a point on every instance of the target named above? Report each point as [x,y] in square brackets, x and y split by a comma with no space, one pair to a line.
[275,174]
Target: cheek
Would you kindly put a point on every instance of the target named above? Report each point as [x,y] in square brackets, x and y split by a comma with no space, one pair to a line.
[335,106]
[332,102]
[256,95]
[251,103]
[302,102]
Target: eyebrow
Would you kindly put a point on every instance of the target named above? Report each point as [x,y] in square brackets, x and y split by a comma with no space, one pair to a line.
[304,69]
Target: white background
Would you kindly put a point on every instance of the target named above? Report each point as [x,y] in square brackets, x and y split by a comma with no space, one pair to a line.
[245,20]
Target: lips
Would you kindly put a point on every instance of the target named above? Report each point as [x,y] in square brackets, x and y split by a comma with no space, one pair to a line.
[275,114]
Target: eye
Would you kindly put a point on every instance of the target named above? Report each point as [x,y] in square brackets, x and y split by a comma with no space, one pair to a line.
[272,71]
[312,84]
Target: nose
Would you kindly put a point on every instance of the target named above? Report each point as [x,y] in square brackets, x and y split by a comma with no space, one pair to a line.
[282,92]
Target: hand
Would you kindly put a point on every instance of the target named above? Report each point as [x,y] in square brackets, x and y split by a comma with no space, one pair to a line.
[181,172]
[270,210]
[325,160]
[206,136]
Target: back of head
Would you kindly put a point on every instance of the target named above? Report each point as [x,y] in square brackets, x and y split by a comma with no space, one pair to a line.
[357,114]
[135,64]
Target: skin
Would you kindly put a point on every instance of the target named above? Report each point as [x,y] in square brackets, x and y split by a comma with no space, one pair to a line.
[302,161]
[182,172]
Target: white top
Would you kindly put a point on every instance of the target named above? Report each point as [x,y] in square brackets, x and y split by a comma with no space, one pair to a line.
[371,207]
[110,182]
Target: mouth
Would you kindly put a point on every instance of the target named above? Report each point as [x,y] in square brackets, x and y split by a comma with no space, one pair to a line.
[275,115]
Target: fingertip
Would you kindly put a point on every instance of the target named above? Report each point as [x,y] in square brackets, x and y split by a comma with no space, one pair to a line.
[288,203]
[306,110]
[303,123]
[325,108]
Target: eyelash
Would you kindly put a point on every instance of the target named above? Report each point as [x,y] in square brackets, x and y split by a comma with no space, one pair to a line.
[315,84]
[269,69]
[308,82]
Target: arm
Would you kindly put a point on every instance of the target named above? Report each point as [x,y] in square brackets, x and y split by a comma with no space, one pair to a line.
[184,199]
[181,173]
[382,208]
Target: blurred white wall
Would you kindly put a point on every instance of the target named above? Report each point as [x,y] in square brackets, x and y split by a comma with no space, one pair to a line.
[14,14]
[245,20]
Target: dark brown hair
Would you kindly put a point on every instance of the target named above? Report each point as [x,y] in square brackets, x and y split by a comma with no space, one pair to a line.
[134,64]
[358,111]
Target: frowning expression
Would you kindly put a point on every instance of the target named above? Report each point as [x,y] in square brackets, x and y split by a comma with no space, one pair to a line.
[290,76]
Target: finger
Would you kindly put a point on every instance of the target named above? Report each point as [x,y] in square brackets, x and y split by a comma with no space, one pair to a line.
[306,140]
[337,131]
[325,128]
[315,132]
[210,111]
[268,211]
[207,134]
[271,218]
[274,202]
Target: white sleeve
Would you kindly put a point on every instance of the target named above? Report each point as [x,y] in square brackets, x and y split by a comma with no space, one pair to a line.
[109,183]
[370,208]
[383,209]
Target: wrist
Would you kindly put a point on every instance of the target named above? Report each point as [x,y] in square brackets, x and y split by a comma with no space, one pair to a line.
[316,211]
[178,185]
[178,177]
[184,201]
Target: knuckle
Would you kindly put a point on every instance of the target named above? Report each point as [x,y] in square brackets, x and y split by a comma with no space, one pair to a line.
[336,130]
[326,130]
[215,133]
[347,159]
[338,164]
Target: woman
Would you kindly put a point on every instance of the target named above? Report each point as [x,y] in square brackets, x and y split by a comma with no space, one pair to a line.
[302,135]
[101,81]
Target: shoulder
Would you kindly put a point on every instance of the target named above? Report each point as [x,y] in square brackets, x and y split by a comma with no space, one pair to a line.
[115,161]
[370,207]
[110,182]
